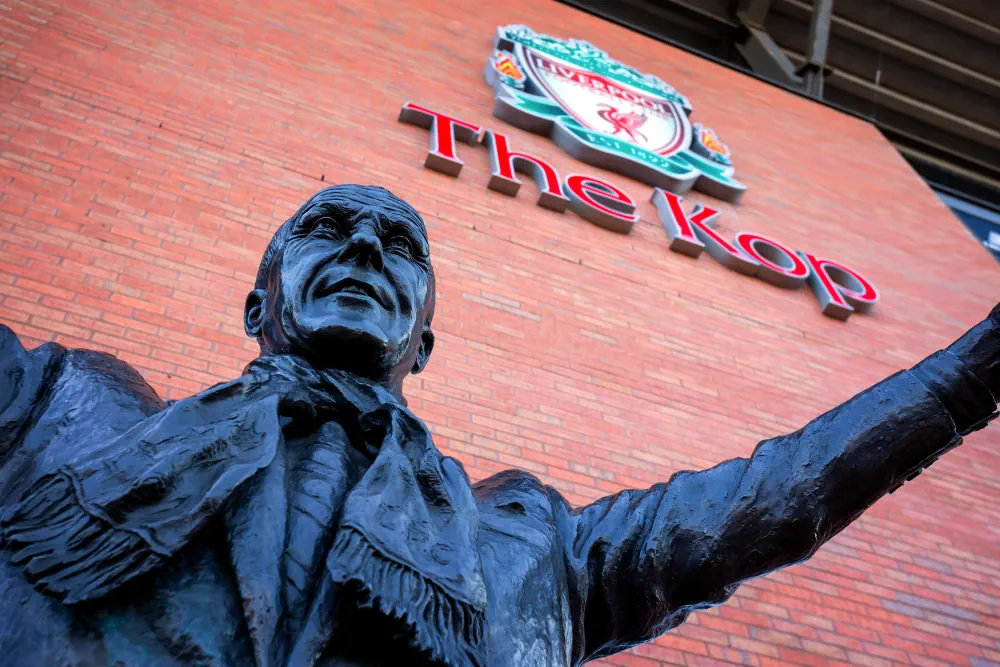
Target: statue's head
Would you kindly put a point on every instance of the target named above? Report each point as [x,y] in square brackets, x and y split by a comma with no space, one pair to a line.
[347,283]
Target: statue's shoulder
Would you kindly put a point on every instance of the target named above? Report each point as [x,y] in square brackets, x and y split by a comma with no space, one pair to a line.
[519,510]
[15,361]
[515,490]
[67,381]
[24,375]
[109,377]
[509,481]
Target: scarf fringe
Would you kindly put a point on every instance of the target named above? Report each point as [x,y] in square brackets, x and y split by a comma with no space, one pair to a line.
[65,551]
[450,630]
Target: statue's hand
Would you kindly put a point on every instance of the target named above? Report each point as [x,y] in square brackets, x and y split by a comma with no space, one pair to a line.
[979,350]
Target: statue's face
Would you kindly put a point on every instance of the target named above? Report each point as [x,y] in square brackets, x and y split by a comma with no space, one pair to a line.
[349,290]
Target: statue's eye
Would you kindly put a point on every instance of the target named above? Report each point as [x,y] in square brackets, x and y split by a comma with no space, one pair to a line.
[400,244]
[310,225]
[324,226]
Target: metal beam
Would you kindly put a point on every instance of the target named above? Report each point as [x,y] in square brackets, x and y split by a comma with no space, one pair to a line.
[911,153]
[882,43]
[753,12]
[904,104]
[699,29]
[815,70]
[761,52]
[766,57]
[945,15]
[712,11]
[952,40]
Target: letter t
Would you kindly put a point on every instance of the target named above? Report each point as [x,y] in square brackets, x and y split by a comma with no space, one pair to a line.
[444,130]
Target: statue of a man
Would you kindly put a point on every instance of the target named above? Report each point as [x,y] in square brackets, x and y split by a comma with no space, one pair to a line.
[301,515]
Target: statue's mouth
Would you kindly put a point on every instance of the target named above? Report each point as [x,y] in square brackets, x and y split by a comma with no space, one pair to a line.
[352,287]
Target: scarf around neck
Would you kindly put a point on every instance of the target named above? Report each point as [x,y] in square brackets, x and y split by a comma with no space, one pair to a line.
[406,539]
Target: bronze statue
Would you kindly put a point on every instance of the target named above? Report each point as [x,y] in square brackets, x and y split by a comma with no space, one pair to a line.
[301,515]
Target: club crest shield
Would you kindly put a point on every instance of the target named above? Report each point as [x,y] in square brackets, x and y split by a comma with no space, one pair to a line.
[606,113]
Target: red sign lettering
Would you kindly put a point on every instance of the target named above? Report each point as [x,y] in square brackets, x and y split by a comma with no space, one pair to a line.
[776,264]
[444,130]
[601,203]
[503,163]
[690,235]
[840,290]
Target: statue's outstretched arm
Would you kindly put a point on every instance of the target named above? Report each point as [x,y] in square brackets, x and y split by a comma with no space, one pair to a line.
[640,561]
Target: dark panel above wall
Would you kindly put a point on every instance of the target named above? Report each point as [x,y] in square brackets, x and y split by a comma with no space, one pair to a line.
[926,72]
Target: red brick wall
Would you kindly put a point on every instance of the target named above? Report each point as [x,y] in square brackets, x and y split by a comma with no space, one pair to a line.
[149,147]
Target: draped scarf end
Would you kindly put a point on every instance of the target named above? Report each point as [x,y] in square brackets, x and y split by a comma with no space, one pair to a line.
[450,630]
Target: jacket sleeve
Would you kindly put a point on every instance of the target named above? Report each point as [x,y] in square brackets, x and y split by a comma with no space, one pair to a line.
[640,561]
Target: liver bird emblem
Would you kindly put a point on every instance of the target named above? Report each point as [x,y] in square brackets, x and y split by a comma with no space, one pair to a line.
[628,122]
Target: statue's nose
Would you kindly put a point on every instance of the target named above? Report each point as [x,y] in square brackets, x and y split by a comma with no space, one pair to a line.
[364,247]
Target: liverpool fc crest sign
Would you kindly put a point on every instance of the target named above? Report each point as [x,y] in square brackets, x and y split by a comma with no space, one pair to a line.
[613,116]
[606,113]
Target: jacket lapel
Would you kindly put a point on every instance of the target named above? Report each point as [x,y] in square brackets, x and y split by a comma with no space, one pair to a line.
[320,621]
[321,471]
[255,529]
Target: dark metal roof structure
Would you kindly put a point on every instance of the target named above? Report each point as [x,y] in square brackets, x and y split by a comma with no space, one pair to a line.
[926,72]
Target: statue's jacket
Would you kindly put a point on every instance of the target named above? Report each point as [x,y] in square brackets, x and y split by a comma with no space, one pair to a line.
[218,530]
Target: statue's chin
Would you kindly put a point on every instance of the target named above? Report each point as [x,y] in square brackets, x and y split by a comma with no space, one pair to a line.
[356,345]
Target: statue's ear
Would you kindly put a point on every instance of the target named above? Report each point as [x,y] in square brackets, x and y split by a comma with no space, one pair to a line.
[253,312]
[426,345]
